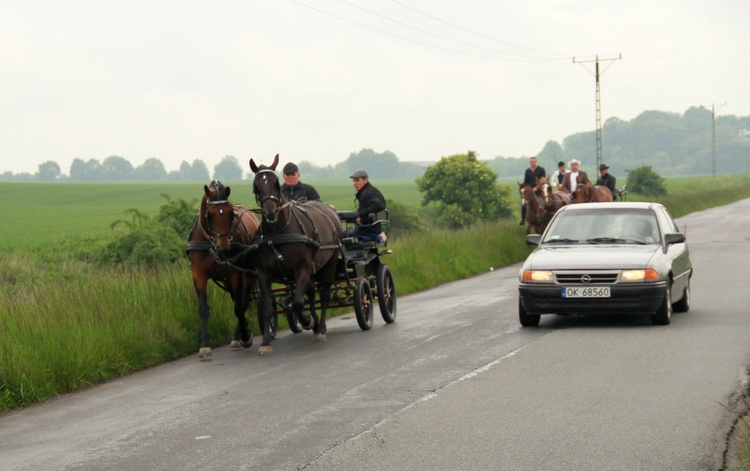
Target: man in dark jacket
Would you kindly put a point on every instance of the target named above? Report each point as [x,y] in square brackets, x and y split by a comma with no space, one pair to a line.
[605,179]
[529,178]
[370,201]
[295,190]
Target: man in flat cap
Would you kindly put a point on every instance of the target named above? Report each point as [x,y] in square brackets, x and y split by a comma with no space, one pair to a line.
[573,178]
[295,190]
[608,180]
[370,201]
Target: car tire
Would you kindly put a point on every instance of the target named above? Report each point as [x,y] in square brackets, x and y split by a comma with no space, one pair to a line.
[664,315]
[526,319]
[683,305]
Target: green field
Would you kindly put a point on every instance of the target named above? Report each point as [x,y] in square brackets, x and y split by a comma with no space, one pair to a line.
[67,323]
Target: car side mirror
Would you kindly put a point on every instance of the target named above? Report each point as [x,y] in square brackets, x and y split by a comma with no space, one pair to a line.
[674,238]
[533,239]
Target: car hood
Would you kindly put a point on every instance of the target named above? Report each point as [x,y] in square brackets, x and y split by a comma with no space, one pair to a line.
[592,257]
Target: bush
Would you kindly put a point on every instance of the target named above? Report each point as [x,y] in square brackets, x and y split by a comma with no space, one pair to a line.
[646,182]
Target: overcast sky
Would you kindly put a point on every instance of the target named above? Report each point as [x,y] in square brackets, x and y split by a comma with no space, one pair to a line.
[317,80]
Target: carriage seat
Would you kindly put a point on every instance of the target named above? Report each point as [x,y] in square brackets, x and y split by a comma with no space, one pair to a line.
[379,227]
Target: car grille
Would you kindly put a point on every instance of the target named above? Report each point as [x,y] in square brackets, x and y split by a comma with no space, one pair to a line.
[586,278]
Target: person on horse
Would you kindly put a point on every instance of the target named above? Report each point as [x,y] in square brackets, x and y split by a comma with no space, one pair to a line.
[295,190]
[573,178]
[370,201]
[558,176]
[608,180]
[529,178]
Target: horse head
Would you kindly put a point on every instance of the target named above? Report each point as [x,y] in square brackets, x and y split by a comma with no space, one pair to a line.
[583,192]
[544,189]
[217,214]
[267,189]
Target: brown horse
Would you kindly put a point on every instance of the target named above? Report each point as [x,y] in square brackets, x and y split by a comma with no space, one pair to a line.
[204,266]
[297,245]
[586,192]
[541,204]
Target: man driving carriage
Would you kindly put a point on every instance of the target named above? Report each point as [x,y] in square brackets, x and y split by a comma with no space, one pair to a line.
[370,201]
[295,190]
[608,180]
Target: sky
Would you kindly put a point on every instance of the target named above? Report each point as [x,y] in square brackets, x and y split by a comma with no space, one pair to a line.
[316,80]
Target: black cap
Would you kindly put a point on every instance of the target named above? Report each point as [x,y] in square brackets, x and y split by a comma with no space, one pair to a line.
[291,167]
[603,166]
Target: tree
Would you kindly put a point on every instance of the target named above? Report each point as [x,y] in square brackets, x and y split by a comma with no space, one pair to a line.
[646,182]
[151,170]
[228,169]
[551,155]
[85,171]
[48,172]
[464,191]
[117,169]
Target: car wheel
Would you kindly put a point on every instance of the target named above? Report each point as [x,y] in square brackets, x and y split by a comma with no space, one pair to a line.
[664,315]
[683,305]
[526,319]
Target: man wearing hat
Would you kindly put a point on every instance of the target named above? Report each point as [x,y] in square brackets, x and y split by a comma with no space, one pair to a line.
[370,200]
[605,179]
[295,190]
[573,178]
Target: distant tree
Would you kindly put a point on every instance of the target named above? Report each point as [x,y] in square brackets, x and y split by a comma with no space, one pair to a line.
[464,191]
[85,171]
[551,154]
[199,171]
[117,169]
[646,182]
[48,171]
[150,170]
[228,169]
[377,165]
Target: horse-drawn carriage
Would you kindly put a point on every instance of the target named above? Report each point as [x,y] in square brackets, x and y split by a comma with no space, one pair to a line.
[300,248]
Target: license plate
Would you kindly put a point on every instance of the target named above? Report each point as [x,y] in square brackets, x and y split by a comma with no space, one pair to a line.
[587,292]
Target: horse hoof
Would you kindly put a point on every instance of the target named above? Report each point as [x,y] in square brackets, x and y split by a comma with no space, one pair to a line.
[204,352]
[265,350]
[247,344]
[234,344]
[320,338]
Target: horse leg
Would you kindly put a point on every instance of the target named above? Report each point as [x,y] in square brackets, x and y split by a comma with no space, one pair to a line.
[298,304]
[266,308]
[203,312]
[242,337]
[320,335]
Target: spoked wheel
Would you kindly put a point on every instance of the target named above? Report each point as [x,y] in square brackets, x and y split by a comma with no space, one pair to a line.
[294,323]
[363,303]
[386,293]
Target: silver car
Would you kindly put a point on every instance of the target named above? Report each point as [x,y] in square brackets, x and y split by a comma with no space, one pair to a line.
[607,258]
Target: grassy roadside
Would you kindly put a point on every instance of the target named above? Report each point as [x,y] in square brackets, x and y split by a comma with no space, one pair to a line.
[66,325]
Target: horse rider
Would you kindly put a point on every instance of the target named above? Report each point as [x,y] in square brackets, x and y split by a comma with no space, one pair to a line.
[573,178]
[529,178]
[295,190]
[558,176]
[608,180]
[370,201]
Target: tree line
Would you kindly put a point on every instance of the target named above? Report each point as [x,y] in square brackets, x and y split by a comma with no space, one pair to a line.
[672,144]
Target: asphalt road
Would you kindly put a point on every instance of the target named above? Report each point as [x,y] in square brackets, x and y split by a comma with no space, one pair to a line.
[455,383]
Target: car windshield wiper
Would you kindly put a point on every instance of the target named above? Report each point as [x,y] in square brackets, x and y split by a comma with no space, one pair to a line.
[613,240]
[561,241]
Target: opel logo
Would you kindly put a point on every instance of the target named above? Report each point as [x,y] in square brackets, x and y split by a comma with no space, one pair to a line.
[586,279]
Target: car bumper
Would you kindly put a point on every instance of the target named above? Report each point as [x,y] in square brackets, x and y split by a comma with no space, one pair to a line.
[624,299]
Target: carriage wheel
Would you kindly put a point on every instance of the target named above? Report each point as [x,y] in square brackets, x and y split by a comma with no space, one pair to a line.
[363,304]
[294,324]
[386,293]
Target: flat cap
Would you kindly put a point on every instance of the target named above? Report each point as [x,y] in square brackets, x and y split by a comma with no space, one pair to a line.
[603,166]
[359,174]
[291,167]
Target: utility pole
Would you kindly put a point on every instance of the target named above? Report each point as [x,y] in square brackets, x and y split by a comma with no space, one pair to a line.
[713,139]
[598,74]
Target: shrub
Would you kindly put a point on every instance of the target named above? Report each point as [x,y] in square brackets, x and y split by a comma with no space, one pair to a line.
[646,182]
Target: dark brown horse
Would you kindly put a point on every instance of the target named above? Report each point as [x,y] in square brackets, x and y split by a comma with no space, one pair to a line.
[241,227]
[541,204]
[297,245]
[586,192]
[553,200]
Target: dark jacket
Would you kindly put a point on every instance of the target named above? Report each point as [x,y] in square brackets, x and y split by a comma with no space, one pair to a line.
[370,200]
[300,191]
[609,181]
[529,178]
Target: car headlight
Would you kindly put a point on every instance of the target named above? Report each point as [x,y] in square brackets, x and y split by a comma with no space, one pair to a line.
[639,275]
[536,275]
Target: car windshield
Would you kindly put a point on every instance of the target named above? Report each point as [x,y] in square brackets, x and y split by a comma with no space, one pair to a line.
[604,226]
